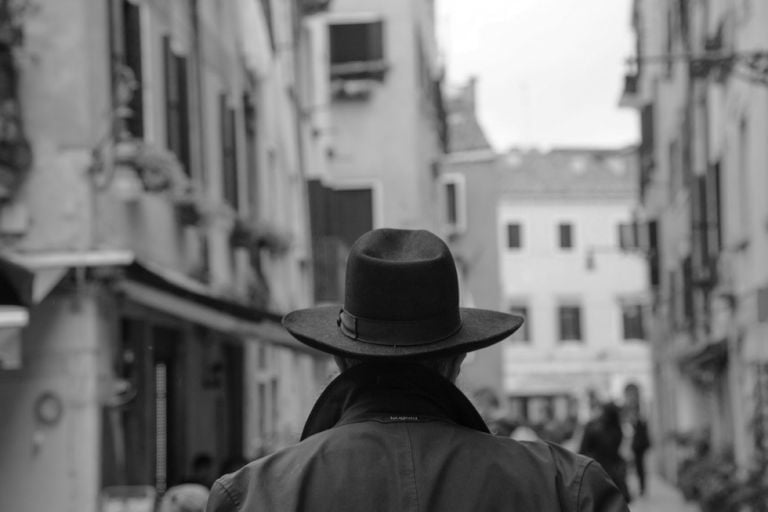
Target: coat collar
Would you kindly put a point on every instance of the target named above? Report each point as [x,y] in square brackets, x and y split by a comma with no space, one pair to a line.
[386,390]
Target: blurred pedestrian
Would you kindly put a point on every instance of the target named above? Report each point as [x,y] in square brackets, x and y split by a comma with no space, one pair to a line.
[641,442]
[392,432]
[602,440]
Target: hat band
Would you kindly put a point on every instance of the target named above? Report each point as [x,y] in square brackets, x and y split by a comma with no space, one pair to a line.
[398,332]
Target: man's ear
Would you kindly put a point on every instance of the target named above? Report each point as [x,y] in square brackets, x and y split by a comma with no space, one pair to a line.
[455,367]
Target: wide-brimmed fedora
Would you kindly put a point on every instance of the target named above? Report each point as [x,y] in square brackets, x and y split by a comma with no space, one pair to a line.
[401,301]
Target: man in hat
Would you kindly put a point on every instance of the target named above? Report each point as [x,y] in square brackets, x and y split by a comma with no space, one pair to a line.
[392,432]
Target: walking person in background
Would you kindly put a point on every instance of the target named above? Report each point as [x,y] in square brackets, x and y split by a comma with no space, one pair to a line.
[602,441]
[392,432]
[641,442]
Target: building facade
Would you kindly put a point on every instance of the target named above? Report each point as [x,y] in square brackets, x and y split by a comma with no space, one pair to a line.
[563,231]
[383,128]
[153,230]
[470,178]
[699,86]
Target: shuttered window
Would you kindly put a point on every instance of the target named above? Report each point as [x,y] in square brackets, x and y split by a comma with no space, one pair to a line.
[565,231]
[569,323]
[514,236]
[632,321]
[357,50]
[125,27]
[228,153]
[176,104]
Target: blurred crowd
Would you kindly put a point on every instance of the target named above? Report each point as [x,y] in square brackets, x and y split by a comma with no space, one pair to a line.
[615,435]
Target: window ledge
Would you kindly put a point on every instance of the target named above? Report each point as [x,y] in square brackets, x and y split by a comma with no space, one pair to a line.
[372,70]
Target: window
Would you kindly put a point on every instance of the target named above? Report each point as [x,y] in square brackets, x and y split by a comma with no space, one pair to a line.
[566,235]
[523,334]
[451,207]
[357,50]
[628,235]
[632,321]
[126,47]
[455,212]
[228,153]
[250,127]
[654,253]
[569,319]
[176,104]
[714,213]
[514,236]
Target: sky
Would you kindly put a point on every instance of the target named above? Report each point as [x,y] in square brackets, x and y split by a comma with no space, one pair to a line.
[549,72]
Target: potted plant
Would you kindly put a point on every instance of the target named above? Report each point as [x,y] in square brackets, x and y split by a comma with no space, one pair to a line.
[15,150]
[158,168]
[259,236]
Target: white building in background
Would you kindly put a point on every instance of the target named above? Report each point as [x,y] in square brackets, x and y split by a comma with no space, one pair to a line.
[563,218]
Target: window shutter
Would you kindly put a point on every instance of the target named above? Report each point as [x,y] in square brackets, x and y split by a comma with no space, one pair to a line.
[172,107]
[376,41]
[133,60]
[714,212]
[182,76]
[228,153]
[628,236]
[566,236]
[699,230]
[250,126]
[762,304]
[570,323]
[654,256]
[514,236]
[452,216]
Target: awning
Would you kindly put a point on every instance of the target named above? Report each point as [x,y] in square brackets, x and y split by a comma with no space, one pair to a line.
[25,280]
[181,297]
[15,294]
[15,284]
[32,276]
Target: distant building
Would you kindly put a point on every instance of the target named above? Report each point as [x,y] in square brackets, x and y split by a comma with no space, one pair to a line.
[469,182]
[563,230]
[383,124]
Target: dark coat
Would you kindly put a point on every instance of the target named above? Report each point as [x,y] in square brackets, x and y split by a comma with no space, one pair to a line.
[602,442]
[384,438]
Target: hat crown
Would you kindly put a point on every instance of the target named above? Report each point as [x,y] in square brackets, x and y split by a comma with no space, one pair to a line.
[401,275]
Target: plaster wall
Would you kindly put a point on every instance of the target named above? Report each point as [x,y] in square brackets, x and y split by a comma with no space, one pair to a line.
[383,140]
[56,466]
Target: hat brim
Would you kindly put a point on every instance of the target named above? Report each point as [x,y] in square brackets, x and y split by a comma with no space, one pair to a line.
[317,328]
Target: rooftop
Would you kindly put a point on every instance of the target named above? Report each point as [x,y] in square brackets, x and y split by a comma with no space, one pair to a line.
[573,172]
[464,130]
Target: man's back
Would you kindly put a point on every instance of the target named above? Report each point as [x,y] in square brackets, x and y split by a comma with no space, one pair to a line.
[411,442]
